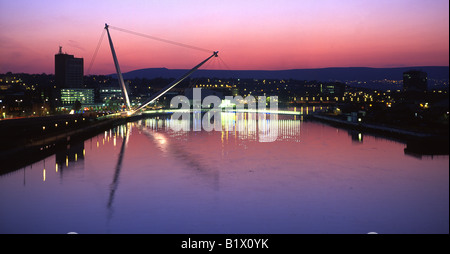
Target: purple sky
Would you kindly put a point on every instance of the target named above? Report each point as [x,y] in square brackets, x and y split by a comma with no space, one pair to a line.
[266,35]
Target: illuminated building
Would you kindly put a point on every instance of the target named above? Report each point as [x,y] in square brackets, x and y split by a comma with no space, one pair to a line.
[110,93]
[332,89]
[70,95]
[69,81]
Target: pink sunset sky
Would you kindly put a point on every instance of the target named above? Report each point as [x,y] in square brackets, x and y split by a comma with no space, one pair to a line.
[261,35]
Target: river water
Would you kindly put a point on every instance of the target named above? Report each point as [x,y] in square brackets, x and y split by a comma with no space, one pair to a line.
[166,176]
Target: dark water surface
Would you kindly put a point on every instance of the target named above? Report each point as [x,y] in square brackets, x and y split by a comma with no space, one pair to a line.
[146,177]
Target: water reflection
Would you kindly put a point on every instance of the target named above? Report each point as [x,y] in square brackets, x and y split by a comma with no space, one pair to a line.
[115,182]
[312,178]
[171,145]
[168,135]
[357,136]
[246,126]
[73,155]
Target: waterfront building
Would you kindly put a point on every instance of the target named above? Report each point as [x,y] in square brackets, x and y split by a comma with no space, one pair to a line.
[69,81]
[110,93]
[70,95]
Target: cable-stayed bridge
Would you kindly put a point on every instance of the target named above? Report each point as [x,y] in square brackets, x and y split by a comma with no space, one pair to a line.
[125,90]
[137,110]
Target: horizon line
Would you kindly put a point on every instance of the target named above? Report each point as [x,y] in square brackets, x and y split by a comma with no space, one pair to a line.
[319,68]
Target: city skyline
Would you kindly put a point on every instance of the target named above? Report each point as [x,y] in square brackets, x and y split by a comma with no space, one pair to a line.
[262,35]
[232,118]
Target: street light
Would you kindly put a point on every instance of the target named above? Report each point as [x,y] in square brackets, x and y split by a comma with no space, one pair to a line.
[18,102]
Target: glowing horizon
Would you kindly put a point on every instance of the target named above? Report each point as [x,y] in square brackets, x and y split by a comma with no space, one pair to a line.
[250,35]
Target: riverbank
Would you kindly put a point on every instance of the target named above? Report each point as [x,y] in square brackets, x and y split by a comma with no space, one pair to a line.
[418,143]
[23,141]
[31,139]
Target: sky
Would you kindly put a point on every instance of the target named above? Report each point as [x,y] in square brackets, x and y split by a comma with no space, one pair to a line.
[249,35]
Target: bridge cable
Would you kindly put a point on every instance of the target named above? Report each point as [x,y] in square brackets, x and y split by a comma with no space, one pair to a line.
[95,53]
[223,62]
[160,39]
[232,76]
[192,84]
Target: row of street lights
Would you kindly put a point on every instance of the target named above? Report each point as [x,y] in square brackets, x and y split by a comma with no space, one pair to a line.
[67,123]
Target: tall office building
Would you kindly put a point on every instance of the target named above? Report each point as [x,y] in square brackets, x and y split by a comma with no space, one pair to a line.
[69,82]
[415,81]
[68,70]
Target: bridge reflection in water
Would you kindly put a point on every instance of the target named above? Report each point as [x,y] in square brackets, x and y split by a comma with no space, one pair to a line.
[247,127]
[158,175]
[252,127]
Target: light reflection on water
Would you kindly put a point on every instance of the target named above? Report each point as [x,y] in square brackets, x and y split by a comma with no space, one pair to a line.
[146,177]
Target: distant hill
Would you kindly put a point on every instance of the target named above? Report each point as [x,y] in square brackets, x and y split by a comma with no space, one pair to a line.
[323,74]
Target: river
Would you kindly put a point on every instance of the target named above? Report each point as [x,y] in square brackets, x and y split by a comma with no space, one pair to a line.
[166,176]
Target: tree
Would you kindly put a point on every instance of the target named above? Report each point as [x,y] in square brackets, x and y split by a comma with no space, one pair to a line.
[77,105]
